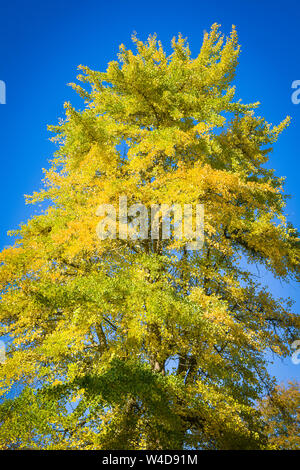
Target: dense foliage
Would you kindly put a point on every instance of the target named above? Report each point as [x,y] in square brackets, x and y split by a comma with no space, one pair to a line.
[281,412]
[143,344]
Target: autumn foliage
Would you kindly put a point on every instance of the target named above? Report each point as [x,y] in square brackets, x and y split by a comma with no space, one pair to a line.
[143,344]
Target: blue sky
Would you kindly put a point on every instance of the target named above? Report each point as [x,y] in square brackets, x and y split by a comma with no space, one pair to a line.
[42,43]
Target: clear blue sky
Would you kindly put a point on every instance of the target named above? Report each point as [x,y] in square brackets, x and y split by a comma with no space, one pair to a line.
[42,42]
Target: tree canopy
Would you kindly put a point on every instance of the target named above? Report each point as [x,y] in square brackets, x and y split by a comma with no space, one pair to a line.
[144,344]
[281,412]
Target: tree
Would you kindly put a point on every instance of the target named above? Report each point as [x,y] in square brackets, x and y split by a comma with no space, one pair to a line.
[281,412]
[144,344]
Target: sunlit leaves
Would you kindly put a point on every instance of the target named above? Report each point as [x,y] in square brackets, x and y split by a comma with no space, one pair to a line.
[139,344]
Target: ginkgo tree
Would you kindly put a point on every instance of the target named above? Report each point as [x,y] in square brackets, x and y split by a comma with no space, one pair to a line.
[281,412]
[144,344]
